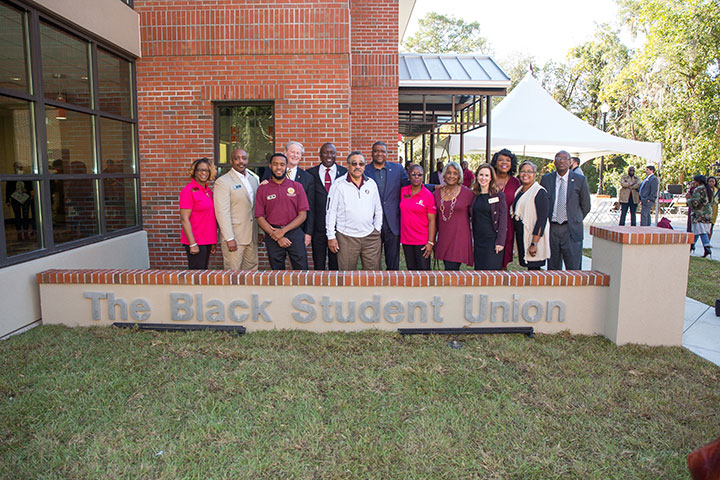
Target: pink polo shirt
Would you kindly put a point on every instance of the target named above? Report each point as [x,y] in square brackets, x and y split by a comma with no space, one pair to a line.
[199,200]
[414,212]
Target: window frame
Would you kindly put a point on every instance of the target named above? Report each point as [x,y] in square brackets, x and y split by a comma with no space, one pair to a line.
[42,176]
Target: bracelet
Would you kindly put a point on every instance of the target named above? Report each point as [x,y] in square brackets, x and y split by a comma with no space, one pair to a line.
[193,245]
[431,243]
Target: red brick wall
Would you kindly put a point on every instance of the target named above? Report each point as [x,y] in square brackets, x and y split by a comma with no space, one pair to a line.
[323,63]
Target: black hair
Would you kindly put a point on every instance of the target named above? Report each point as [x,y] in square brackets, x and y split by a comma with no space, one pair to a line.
[511,156]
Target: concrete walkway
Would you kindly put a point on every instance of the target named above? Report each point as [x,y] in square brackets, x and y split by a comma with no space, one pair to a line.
[701,332]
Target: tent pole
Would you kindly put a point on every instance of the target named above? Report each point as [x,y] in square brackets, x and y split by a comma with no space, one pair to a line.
[487,131]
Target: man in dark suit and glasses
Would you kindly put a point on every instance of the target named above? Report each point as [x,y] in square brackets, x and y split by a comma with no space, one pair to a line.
[323,175]
[569,205]
[389,177]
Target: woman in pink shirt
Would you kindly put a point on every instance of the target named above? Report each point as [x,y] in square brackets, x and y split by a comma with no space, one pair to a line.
[197,215]
[417,221]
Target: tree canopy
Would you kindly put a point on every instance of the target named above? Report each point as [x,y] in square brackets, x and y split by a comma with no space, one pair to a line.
[446,34]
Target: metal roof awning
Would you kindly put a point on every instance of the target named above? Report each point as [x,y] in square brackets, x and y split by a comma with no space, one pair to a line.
[446,89]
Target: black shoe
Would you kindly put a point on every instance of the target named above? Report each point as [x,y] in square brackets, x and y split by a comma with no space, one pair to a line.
[692,247]
[708,251]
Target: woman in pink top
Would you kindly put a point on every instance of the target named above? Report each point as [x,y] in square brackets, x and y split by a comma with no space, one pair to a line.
[417,221]
[197,215]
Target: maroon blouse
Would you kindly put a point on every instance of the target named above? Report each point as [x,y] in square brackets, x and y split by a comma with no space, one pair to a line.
[454,239]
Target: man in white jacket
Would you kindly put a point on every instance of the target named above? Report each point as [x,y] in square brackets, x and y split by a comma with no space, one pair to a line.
[354,217]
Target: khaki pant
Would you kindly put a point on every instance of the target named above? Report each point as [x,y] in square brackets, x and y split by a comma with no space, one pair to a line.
[244,258]
[365,248]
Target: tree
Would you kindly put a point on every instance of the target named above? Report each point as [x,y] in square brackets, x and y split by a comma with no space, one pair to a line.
[446,34]
[670,91]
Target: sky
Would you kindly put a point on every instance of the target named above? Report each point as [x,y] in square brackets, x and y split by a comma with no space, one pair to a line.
[545,29]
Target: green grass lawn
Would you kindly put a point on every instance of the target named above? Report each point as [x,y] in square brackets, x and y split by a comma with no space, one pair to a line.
[703,279]
[108,403]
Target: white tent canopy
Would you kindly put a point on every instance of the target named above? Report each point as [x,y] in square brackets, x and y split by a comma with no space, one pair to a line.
[530,122]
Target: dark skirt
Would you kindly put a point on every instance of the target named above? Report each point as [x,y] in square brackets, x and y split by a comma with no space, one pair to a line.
[533,265]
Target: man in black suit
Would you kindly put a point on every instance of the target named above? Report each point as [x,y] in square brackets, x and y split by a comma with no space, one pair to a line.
[436,176]
[323,175]
[294,152]
[569,205]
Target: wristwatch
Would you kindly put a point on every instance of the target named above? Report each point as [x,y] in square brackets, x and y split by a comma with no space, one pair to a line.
[533,244]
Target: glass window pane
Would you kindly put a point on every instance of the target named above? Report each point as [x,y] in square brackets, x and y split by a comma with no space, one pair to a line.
[17,136]
[114,95]
[20,213]
[116,142]
[70,140]
[73,209]
[249,127]
[65,67]
[120,205]
[13,61]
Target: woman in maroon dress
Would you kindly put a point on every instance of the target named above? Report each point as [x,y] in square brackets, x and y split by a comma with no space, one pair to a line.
[453,202]
[505,164]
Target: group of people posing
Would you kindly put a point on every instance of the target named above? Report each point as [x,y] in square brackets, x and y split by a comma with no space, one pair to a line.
[351,214]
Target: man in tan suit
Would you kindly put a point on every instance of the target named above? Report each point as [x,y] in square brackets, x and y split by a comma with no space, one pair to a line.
[234,196]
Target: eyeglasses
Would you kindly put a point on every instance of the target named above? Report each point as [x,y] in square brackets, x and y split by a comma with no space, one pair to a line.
[527,173]
[416,174]
[202,170]
[357,164]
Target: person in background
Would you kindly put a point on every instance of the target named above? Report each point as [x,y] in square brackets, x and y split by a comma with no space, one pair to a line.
[530,213]
[389,178]
[354,218]
[629,196]
[700,202]
[324,175]
[453,201]
[197,215]
[505,164]
[436,176]
[417,221]
[648,193]
[712,183]
[489,220]
[575,166]
[281,209]
[467,176]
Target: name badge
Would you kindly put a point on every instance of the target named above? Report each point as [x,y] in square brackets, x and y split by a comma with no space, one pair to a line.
[271,197]
[237,186]
[493,200]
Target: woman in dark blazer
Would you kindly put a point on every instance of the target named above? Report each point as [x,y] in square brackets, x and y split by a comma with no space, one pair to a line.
[489,220]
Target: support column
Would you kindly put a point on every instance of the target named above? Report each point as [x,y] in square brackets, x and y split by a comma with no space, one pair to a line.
[648,269]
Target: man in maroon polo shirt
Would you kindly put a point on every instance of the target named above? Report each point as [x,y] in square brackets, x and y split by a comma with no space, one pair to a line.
[281,208]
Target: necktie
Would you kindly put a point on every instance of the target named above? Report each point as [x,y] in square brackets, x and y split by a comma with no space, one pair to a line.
[561,206]
[328,180]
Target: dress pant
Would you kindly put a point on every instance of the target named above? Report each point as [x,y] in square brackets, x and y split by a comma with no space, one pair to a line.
[414,258]
[320,252]
[391,245]
[298,255]
[564,249]
[200,260]
[244,258]
[632,206]
[645,212]
[365,248]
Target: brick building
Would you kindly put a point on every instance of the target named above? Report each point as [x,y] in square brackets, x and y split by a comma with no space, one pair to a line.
[322,71]
[103,103]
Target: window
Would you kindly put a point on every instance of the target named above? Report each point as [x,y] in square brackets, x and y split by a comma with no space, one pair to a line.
[249,126]
[68,138]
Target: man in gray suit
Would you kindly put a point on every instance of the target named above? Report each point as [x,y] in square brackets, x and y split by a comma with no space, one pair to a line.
[234,197]
[648,194]
[569,204]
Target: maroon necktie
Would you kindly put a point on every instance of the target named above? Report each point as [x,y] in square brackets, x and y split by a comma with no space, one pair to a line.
[328,180]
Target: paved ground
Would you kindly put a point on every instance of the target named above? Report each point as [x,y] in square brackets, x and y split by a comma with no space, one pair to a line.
[701,332]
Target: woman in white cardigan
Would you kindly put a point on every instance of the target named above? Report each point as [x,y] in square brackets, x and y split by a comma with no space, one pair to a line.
[530,212]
